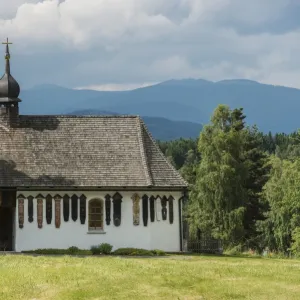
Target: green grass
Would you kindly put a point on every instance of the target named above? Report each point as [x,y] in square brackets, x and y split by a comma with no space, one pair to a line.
[173,277]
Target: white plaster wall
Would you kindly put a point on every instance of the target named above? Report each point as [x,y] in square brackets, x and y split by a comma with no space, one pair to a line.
[157,235]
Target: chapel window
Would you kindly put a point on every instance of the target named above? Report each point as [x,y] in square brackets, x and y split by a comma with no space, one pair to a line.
[95,214]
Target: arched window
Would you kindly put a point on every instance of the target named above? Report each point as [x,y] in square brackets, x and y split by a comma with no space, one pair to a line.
[95,214]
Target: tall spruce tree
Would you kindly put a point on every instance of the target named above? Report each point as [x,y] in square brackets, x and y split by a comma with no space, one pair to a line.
[258,170]
[226,199]
[218,200]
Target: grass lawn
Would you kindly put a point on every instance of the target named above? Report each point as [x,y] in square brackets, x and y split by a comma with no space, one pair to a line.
[174,277]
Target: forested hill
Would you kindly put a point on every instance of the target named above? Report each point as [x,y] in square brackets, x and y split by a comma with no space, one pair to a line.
[161,128]
[271,108]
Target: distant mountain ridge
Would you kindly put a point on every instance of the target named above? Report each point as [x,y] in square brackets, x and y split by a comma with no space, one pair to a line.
[161,128]
[271,108]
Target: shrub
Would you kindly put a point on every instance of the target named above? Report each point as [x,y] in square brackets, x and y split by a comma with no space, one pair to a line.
[138,252]
[47,251]
[51,251]
[99,249]
[124,251]
[73,250]
[295,248]
[142,252]
[105,248]
[158,252]
[234,251]
[102,249]
[95,250]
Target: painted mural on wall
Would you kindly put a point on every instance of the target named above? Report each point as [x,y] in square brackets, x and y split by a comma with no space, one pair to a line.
[40,211]
[57,200]
[21,210]
[157,208]
[136,209]
[164,208]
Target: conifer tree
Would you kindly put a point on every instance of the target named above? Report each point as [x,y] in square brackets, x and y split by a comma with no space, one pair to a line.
[255,160]
[226,200]
[217,204]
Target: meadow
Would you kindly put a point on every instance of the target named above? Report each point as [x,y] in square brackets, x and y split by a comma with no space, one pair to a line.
[173,277]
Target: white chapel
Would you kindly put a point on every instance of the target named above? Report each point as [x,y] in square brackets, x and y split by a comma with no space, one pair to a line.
[83,180]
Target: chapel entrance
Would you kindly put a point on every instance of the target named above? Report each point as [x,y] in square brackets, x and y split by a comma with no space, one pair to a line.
[7,210]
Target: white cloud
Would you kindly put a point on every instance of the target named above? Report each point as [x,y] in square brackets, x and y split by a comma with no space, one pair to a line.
[8,8]
[112,43]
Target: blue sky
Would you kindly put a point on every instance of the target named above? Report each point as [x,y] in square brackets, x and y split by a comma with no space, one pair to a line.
[121,44]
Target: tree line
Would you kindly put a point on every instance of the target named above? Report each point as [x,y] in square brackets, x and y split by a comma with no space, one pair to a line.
[244,185]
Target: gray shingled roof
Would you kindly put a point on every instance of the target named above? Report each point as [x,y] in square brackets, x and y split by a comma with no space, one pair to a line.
[65,151]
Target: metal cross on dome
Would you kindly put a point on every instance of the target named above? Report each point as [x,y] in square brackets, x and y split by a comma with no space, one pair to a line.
[7,42]
[7,55]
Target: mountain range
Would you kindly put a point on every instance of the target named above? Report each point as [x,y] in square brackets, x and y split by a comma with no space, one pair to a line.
[161,128]
[271,108]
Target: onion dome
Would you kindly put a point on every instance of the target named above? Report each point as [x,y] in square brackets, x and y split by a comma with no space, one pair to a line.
[9,87]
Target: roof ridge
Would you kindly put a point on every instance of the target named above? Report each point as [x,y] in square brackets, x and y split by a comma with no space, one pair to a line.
[161,153]
[82,116]
[143,152]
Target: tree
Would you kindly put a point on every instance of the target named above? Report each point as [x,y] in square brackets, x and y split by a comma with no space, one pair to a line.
[189,168]
[258,170]
[178,150]
[282,194]
[244,184]
[217,204]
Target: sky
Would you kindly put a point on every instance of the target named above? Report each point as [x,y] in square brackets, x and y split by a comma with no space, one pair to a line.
[123,44]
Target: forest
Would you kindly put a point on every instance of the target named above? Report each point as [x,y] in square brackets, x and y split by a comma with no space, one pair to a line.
[244,185]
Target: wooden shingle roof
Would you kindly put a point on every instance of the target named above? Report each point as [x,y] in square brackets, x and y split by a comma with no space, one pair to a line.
[67,151]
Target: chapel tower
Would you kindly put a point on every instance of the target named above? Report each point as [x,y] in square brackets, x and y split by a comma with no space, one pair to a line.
[9,93]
